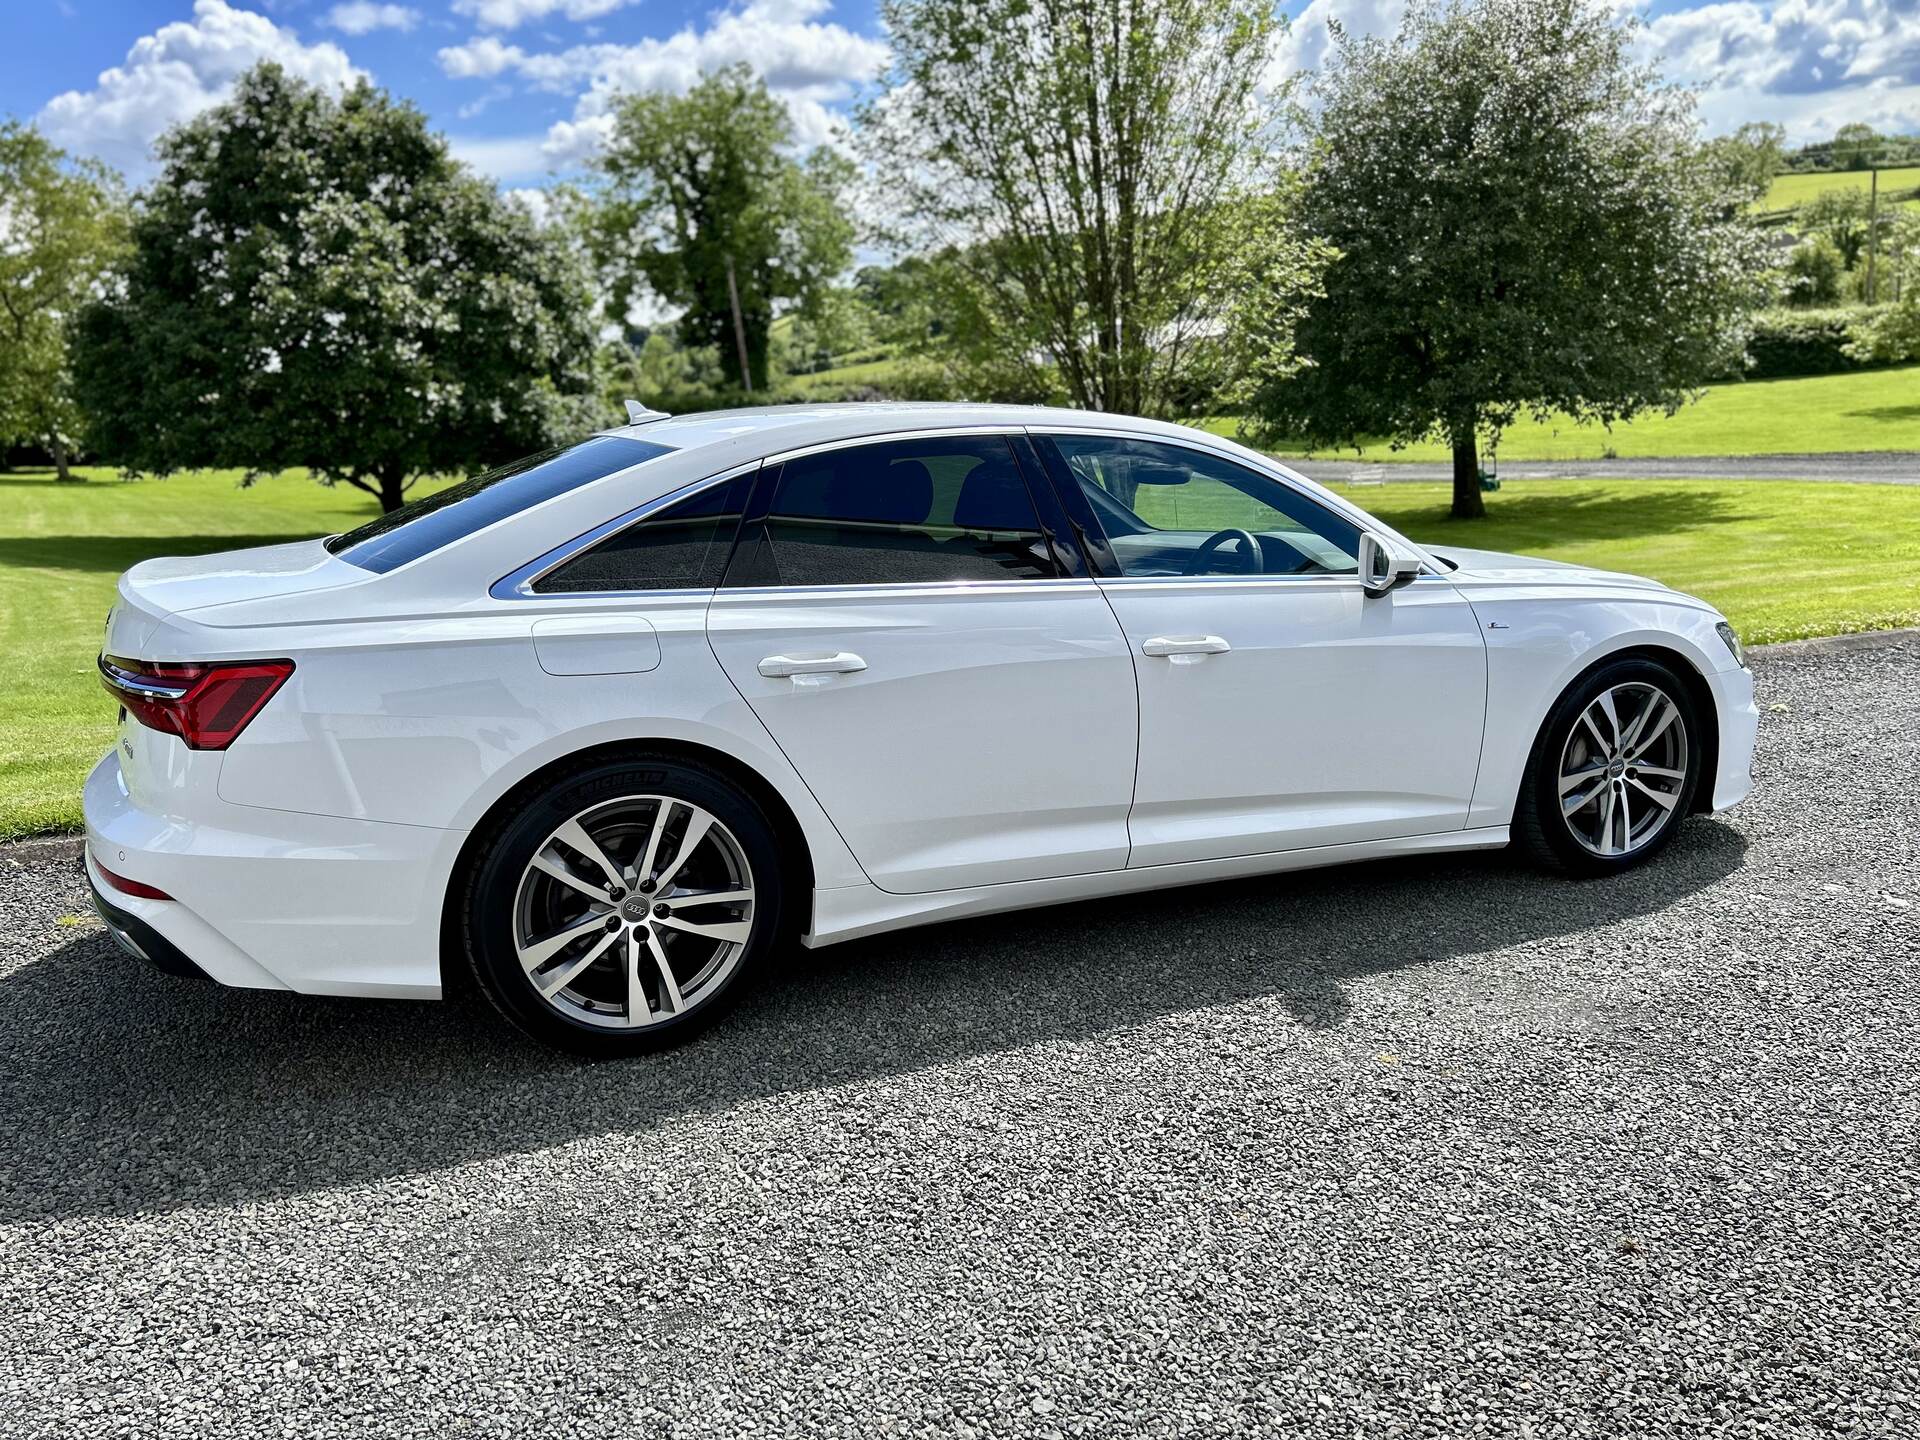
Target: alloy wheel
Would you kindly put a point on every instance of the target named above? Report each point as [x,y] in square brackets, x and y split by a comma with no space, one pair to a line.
[633,911]
[1623,770]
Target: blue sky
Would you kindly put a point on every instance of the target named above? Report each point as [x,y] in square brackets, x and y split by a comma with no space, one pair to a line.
[522,85]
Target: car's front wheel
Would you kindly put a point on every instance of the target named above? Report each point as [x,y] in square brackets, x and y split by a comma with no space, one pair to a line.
[1613,771]
[622,909]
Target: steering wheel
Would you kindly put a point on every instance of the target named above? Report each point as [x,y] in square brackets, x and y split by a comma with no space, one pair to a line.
[1251,560]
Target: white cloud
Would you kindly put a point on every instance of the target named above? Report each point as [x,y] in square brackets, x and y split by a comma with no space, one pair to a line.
[504,158]
[510,14]
[1811,65]
[812,66]
[359,17]
[175,73]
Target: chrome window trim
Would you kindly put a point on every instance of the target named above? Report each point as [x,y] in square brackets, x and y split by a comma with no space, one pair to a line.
[518,584]
[944,432]
[880,588]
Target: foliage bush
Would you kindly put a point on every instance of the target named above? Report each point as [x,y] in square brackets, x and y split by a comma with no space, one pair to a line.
[1814,271]
[1887,335]
[1789,343]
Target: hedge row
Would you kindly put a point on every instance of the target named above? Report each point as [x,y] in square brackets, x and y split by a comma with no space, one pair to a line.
[1787,343]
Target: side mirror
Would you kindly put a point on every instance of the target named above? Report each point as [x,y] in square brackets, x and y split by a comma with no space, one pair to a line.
[1383,565]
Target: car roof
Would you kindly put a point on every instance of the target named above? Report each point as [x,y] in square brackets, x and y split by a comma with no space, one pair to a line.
[782,427]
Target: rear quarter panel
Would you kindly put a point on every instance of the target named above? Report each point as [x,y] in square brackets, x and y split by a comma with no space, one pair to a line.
[430,721]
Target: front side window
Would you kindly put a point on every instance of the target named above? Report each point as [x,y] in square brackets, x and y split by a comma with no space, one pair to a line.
[900,512]
[459,510]
[681,547]
[1168,511]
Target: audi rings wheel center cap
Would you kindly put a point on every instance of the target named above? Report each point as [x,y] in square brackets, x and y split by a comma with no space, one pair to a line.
[634,910]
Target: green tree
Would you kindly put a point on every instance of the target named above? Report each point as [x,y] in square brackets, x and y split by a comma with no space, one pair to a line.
[1841,217]
[315,282]
[1747,160]
[1813,273]
[1525,224]
[63,224]
[1092,174]
[1854,147]
[703,205]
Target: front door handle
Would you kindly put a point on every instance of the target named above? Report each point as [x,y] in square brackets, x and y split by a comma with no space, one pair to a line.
[777,667]
[1184,649]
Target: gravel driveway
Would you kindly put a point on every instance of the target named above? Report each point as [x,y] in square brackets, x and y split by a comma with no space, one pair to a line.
[1434,1149]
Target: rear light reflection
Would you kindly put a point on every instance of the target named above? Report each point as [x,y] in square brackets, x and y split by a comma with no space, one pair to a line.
[207,704]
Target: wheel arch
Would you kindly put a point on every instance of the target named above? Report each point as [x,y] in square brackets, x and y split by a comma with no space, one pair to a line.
[791,837]
[1699,692]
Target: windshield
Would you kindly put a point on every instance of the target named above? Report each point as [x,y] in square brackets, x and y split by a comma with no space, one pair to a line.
[458,511]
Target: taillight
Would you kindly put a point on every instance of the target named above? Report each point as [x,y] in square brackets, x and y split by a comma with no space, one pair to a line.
[207,704]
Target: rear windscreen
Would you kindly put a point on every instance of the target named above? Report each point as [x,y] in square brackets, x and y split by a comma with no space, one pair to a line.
[459,510]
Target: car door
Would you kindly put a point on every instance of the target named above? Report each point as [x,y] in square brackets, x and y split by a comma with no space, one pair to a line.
[959,700]
[1281,707]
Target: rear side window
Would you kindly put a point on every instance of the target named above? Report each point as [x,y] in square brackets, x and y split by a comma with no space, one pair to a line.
[683,547]
[459,510]
[901,512]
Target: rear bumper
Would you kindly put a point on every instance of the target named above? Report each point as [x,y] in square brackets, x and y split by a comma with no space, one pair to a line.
[1739,728]
[138,938]
[270,899]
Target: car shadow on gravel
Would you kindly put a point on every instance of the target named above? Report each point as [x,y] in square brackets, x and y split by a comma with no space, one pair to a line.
[129,1091]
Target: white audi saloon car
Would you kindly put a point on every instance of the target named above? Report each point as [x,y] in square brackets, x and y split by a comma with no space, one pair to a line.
[604,730]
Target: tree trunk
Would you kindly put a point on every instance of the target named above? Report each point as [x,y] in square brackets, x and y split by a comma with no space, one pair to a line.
[1467,504]
[59,449]
[393,490]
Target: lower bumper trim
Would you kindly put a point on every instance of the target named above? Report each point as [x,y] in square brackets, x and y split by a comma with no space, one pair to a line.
[140,939]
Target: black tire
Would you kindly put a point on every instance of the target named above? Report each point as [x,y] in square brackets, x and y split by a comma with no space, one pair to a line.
[1540,828]
[491,903]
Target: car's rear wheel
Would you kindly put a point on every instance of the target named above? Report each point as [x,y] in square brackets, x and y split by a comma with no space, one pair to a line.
[1613,771]
[624,907]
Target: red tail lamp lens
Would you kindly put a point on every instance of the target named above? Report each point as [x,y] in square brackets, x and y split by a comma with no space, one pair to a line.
[206,704]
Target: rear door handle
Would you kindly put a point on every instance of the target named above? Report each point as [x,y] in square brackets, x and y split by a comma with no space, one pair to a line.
[778,667]
[1184,649]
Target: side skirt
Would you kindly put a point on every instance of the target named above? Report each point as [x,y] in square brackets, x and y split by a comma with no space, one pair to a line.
[853,911]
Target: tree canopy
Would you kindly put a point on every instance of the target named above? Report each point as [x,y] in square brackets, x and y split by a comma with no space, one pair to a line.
[1096,181]
[1524,223]
[316,282]
[704,204]
[63,224]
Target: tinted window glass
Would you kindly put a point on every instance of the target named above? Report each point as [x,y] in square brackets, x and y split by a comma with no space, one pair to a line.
[681,547]
[457,511]
[905,511]
[1168,510]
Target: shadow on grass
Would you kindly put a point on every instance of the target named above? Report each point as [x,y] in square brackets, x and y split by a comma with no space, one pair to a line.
[1886,414]
[126,1091]
[1559,517]
[114,553]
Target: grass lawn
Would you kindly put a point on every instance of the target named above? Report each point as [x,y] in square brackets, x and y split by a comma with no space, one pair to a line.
[1865,410]
[1790,190]
[1783,560]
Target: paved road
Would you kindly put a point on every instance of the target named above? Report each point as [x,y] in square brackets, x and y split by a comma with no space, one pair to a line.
[1891,468]
[1425,1149]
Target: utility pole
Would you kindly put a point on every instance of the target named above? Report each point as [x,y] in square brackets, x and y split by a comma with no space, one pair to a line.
[740,327]
[1873,227]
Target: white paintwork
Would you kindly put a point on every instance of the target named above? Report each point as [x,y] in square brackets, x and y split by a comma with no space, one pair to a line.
[943,749]
[1298,734]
